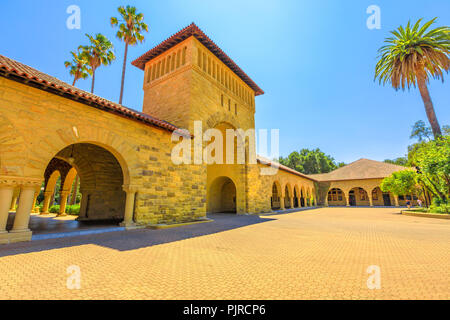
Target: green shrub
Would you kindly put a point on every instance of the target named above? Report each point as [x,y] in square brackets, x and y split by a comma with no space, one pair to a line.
[443,208]
[74,209]
[54,209]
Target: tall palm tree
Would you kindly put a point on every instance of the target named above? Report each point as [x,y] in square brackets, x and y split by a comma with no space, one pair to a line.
[130,32]
[411,57]
[79,67]
[98,53]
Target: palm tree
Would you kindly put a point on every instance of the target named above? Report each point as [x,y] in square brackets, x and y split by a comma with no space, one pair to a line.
[79,67]
[411,57]
[130,32]
[98,53]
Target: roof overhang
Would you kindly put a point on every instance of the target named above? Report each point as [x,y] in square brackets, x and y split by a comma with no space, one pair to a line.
[193,31]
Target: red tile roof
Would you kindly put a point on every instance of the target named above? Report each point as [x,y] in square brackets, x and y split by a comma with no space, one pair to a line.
[20,72]
[193,30]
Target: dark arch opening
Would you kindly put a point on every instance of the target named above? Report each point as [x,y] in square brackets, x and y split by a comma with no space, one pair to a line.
[222,197]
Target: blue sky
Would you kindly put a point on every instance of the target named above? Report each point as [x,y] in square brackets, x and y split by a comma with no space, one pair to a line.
[314,59]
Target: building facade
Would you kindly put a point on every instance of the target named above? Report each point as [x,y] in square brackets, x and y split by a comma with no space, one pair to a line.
[50,130]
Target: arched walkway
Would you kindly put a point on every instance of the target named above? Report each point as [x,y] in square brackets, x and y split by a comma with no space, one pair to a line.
[296,197]
[287,197]
[336,197]
[358,197]
[101,181]
[276,196]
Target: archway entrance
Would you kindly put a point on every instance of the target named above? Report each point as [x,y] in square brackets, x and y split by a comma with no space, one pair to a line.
[222,196]
[336,197]
[358,197]
[295,198]
[91,174]
[352,198]
[287,198]
[275,199]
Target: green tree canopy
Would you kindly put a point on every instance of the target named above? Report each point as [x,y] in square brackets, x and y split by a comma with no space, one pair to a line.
[310,161]
[400,161]
[400,183]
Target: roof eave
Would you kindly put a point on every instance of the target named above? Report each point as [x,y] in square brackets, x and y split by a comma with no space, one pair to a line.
[194,31]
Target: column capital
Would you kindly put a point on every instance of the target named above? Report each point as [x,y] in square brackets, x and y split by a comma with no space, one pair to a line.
[129,188]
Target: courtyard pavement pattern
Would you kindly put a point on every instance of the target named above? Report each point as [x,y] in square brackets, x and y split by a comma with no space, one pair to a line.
[315,254]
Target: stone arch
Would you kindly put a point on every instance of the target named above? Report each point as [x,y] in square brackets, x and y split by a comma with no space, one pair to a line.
[222,196]
[222,117]
[101,180]
[49,146]
[296,196]
[51,182]
[358,196]
[336,197]
[302,196]
[380,198]
[276,195]
[288,196]
[68,182]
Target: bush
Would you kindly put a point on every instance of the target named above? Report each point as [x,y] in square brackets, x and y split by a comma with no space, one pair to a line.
[54,209]
[74,210]
[443,208]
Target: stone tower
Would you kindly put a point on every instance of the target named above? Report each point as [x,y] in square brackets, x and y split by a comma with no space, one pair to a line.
[189,78]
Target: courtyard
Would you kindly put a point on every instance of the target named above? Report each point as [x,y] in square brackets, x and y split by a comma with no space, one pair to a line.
[312,254]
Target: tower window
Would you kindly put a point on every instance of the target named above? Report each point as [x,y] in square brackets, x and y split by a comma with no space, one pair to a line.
[229,105]
[235,108]
[183,58]
[149,73]
[221,100]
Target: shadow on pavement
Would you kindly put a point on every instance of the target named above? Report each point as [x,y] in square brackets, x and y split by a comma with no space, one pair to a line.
[136,239]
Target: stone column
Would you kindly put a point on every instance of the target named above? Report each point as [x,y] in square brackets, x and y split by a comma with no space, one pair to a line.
[291,202]
[13,203]
[6,195]
[282,206]
[47,198]
[347,199]
[370,199]
[129,206]
[63,203]
[33,208]
[22,217]
[396,201]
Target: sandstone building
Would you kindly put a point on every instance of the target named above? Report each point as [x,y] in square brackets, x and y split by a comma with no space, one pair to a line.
[49,129]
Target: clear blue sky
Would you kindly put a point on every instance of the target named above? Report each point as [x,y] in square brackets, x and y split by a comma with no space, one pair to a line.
[314,59]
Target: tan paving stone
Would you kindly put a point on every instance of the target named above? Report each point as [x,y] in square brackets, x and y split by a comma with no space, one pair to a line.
[319,254]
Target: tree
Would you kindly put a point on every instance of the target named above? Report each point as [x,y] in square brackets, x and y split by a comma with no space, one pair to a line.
[400,183]
[421,132]
[310,161]
[400,161]
[412,56]
[130,32]
[79,67]
[98,53]
[432,160]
